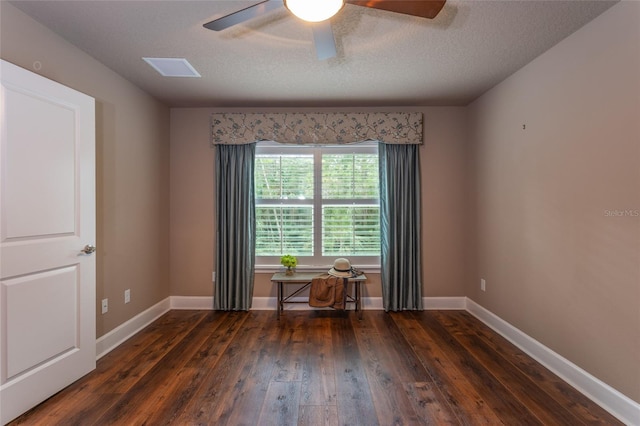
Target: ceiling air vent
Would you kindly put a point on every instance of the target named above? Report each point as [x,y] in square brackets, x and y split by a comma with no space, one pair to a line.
[172,67]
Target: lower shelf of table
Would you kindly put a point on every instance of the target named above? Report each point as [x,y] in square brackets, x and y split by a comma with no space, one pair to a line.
[353,298]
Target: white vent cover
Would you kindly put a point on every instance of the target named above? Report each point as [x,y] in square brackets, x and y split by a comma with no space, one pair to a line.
[172,67]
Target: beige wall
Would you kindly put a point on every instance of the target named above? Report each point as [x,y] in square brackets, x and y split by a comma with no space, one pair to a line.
[558,265]
[132,166]
[445,212]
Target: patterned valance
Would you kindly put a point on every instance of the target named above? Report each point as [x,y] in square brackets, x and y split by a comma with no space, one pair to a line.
[316,128]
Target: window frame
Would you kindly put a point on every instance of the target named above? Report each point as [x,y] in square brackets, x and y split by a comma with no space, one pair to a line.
[318,261]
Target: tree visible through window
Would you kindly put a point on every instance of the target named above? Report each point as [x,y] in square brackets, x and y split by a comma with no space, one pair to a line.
[317,203]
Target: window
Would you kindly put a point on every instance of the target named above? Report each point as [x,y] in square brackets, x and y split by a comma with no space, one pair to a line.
[317,203]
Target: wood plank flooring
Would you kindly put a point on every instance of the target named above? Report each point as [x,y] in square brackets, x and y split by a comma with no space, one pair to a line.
[317,368]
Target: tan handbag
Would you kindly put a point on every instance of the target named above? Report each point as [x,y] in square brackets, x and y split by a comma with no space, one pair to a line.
[328,291]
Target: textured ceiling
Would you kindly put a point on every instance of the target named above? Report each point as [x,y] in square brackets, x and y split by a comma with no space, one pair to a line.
[384,58]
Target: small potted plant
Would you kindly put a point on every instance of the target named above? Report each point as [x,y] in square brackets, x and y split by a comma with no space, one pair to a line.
[289,262]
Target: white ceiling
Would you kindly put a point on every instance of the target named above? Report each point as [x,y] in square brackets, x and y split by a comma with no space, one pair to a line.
[384,58]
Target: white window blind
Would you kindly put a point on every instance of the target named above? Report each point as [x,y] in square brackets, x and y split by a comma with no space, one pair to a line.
[317,203]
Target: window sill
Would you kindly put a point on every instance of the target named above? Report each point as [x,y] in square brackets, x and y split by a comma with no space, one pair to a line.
[270,269]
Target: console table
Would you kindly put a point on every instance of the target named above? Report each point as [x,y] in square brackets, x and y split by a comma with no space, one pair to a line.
[303,281]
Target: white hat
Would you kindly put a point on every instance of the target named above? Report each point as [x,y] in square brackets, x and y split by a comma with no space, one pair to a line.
[341,268]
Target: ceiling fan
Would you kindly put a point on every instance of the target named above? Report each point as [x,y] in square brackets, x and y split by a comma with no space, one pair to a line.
[325,9]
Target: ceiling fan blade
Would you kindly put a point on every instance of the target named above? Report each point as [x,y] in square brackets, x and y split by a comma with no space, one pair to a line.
[243,15]
[323,40]
[423,8]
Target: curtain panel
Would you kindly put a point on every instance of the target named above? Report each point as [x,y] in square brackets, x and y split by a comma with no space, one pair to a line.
[316,128]
[236,227]
[400,219]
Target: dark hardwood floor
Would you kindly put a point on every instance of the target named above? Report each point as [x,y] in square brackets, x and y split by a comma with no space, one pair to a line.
[317,368]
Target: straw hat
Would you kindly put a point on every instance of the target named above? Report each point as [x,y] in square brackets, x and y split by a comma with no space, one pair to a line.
[341,268]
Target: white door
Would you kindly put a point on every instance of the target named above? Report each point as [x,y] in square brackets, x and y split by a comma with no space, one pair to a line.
[47,217]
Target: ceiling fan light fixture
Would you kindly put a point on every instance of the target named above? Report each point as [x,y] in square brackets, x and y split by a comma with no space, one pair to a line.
[314,10]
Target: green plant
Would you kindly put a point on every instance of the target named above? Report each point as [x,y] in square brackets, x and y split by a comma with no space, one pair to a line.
[289,261]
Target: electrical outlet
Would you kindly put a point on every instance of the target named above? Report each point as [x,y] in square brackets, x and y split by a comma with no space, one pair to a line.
[105,306]
[213,276]
[127,296]
[483,284]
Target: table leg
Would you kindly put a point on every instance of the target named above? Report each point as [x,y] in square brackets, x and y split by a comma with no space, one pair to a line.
[279,306]
[356,290]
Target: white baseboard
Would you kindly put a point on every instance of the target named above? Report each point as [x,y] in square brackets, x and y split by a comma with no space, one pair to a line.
[370,303]
[264,304]
[619,405]
[270,303]
[202,303]
[444,303]
[118,335]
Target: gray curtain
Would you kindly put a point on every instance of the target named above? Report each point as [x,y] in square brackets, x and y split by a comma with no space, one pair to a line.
[236,229]
[400,217]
